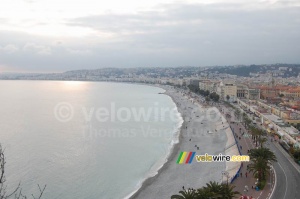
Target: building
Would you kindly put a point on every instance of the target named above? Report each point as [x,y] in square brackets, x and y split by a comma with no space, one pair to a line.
[209,85]
[194,82]
[242,91]
[291,92]
[228,91]
[253,94]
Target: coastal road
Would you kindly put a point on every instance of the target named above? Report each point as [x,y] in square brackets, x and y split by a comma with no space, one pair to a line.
[287,175]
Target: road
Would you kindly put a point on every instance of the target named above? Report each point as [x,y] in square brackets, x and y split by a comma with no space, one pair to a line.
[287,172]
[288,177]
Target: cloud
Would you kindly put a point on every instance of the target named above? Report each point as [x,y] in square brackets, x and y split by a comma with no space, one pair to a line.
[182,26]
[9,48]
[79,51]
[216,33]
[38,49]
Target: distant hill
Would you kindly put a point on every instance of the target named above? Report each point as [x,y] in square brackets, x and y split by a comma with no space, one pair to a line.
[281,70]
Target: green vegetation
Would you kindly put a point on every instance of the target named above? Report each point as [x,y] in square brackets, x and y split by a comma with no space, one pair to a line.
[227,97]
[295,154]
[194,88]
[261,159]
[207,99]
[238,114]
[247,121]
[208,96]
[258,135]
[212,190]
[214,96]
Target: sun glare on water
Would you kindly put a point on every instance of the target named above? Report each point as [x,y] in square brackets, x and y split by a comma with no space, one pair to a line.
[74,85]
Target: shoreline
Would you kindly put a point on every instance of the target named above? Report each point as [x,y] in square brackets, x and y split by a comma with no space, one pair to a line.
[167,169]
[172,154]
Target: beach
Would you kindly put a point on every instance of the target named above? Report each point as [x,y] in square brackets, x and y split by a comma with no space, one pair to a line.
[204,130]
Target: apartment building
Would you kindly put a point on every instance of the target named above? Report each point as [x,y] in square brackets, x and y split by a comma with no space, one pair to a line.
[227,89]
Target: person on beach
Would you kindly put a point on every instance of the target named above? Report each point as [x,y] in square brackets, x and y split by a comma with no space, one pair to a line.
[246,174]
[241,174]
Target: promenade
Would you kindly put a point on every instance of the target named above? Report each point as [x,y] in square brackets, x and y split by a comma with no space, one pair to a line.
[246,180]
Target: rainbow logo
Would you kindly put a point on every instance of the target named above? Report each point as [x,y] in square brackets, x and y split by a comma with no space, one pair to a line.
[185,157]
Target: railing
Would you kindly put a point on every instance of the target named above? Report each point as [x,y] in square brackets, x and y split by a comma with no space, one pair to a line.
[236,175]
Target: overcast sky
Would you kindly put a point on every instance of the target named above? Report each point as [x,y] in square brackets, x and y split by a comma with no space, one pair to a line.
[60,35]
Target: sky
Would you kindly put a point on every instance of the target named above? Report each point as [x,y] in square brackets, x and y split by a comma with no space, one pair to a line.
[62,35]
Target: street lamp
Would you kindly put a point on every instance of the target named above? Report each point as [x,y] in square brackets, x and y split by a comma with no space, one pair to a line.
[226,174]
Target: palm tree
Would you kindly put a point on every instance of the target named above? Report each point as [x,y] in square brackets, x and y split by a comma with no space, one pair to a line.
[261,160]
[257,135]
[237,114]
[214,188]
[259,167]
[264,153]
[262,140]
[254,132]
[246,120]
[185,194]
[204,193]
[227,191]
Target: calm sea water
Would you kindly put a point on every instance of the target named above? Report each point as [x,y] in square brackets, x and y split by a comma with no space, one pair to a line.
[83,139]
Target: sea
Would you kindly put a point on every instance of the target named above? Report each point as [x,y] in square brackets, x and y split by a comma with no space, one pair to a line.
[84,140]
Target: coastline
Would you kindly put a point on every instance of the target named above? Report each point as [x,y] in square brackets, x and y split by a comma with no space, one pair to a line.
[171,156]
[167,170]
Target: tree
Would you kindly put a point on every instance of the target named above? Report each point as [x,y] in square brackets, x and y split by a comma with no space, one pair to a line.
[296,154]
[265,153]
[207,99]
[185,194]
[257,135]
[253,132]
[17,193]
[214,96]
[262,140]
[261,159]
[237,114]
[246,120]
[228,192]
[206,93]
[212,190]
[227,97]
[259,167]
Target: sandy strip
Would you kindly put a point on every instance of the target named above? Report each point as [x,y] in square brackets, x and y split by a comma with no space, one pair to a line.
[171,177]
